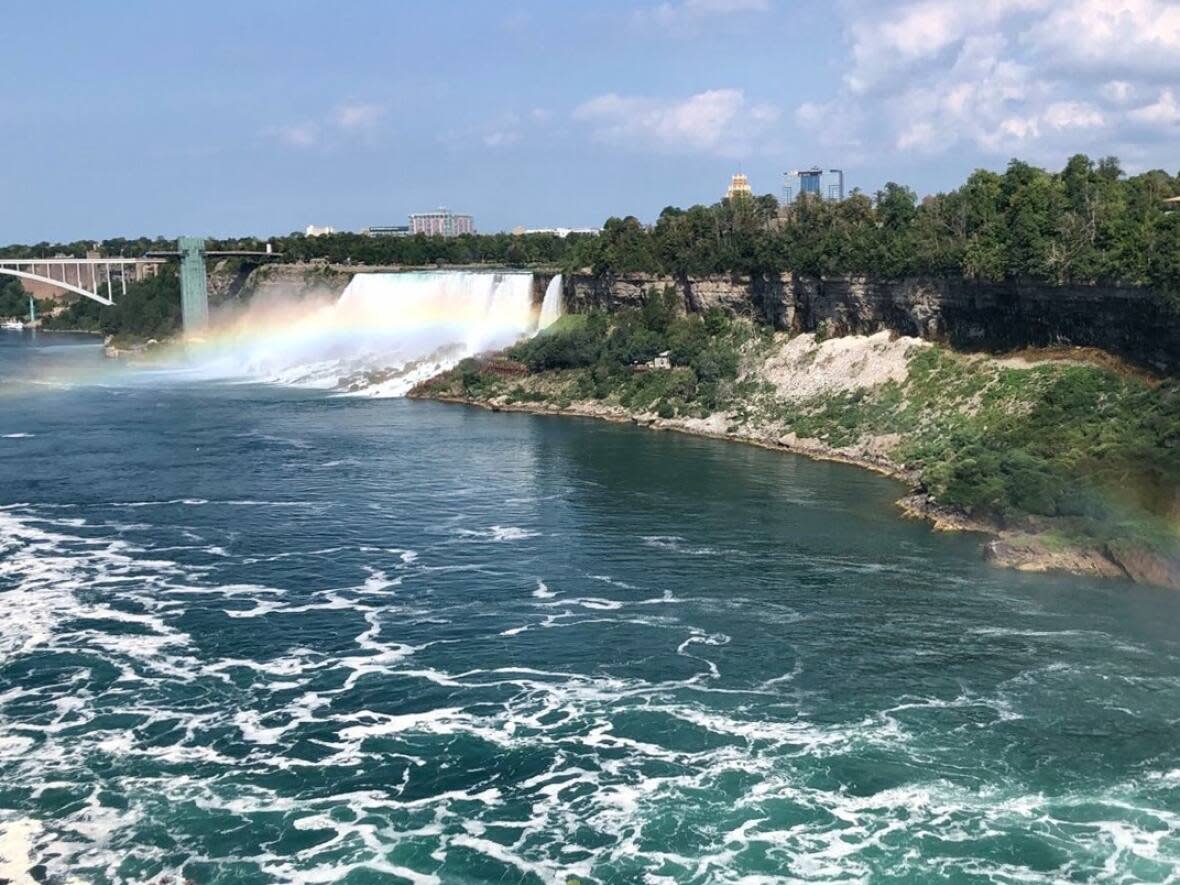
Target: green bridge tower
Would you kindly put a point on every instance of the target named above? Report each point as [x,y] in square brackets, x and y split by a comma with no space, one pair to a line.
[194,288]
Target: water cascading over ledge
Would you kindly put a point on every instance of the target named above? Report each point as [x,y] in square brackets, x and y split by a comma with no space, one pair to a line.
[387,331]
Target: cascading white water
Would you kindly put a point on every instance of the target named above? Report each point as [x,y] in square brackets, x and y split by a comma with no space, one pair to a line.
[384,334]
[551,307]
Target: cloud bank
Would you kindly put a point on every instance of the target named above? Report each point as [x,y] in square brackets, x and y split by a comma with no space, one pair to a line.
[1004,77]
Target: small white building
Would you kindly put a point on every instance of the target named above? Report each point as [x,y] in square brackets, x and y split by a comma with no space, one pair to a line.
[561,232]
[662,360]
[314,230]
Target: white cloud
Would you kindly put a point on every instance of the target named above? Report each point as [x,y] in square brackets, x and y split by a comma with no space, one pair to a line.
[719,121]
[352,117]
[1072,115]
[1038,78]
[888,43]
[1118,91]
[353,121]
[1165,112]
[1141,36]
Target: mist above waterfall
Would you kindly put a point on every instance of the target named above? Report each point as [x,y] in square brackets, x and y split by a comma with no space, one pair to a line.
[384,334]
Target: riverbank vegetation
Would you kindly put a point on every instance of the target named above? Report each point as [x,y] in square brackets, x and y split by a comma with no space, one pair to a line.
[611,358]
[1081,452]
[14,300]
[1088,223]
[149,309]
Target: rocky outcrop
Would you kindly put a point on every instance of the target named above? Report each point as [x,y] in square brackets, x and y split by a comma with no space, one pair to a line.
[1146,566]
[1028,553]
[1131,322]
[610,292]
[298,280]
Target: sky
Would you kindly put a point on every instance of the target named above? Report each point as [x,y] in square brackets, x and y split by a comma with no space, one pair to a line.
[259,118]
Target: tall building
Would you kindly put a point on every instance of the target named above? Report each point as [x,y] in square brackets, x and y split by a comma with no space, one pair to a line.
[739,185]
[441,223]
[811,181]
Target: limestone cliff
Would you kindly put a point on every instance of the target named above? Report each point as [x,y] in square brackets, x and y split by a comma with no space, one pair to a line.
[1131,322]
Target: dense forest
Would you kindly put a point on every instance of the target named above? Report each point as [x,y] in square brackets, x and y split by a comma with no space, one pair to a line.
[149,309]
[1088,223]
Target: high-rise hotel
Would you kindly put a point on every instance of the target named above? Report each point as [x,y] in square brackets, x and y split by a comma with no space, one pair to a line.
[441,223]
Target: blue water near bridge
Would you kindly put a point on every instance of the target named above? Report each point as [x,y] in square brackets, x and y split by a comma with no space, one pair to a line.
[257,634]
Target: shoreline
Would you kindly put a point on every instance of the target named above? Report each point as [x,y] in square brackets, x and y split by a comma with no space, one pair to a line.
[1007,548]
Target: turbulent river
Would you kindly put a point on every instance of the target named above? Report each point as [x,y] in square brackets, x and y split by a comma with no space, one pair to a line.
[256,633]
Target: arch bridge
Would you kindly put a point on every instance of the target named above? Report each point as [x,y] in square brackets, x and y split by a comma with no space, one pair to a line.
[89,276]
[82,276]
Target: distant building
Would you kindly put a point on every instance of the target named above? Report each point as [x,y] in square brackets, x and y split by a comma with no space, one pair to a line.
[1172,203]
[314,230]
[441,223]
[811,181]
[562,232]
[393,230]
[739,185]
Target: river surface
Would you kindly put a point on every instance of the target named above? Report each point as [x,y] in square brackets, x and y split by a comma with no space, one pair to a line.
[257,634]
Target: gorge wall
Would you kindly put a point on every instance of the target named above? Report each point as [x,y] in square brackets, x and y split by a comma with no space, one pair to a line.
[1131,322]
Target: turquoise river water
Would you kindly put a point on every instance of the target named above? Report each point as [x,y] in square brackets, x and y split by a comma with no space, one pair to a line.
[258,634]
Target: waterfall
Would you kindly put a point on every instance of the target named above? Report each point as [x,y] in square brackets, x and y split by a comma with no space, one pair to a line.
[551,306]
[384,334]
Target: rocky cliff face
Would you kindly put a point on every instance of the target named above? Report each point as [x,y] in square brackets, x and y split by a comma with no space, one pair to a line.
[1131,322]
[287,280]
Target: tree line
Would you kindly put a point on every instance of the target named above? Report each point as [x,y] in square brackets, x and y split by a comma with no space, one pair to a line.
[1088,223]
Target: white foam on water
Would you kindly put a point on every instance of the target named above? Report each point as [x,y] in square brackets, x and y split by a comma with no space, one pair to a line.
[677,544]
[378,581]
[16,850]
[591,602]
[607,579]
[596,771]
[499,533]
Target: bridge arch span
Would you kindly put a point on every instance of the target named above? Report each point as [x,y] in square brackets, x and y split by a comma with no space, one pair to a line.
[61,284]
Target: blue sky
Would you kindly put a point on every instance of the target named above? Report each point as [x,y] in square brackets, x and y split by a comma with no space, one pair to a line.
[263,117]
